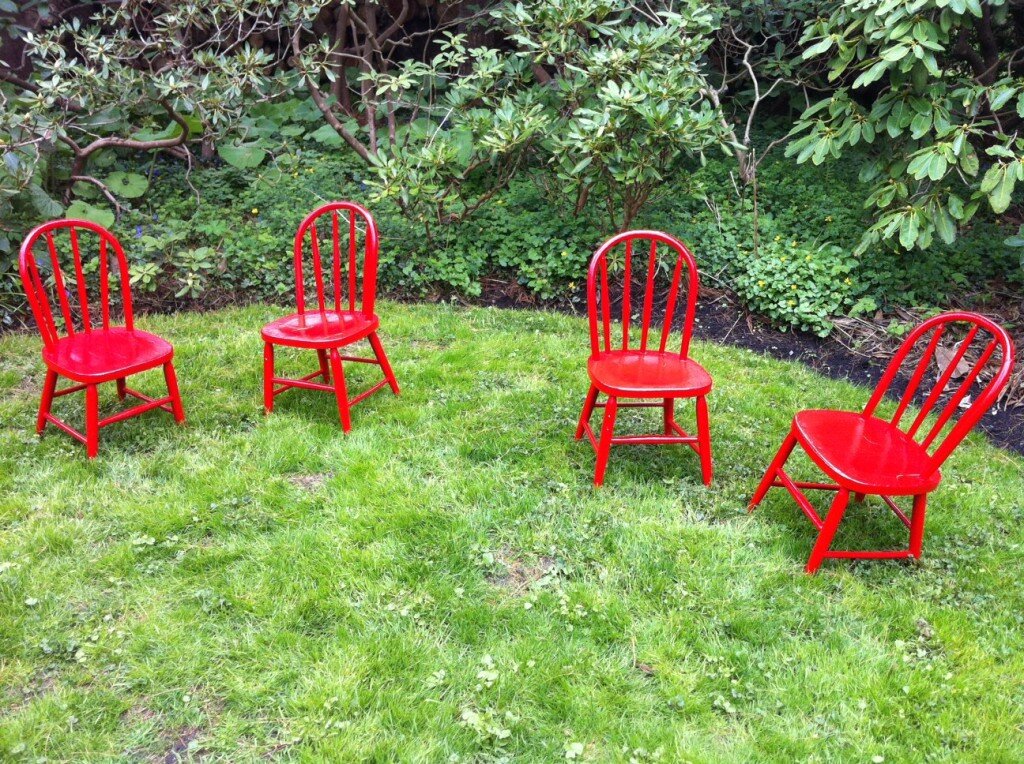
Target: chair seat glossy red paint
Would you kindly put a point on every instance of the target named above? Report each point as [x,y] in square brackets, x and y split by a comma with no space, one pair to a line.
[106,354]
[344,289]
[866,454]
[315,330]
[630,373]
[79,347]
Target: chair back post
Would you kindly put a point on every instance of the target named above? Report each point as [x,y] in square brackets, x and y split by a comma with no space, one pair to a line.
[977,324]
[351,289]
[36,286]
[599,294]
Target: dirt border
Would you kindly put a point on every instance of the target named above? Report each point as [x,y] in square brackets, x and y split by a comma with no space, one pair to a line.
[722,320]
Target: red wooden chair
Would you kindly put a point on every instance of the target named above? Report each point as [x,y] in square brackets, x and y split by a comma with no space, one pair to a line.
[865,454]
[643,370]
[74,345]
[343,312]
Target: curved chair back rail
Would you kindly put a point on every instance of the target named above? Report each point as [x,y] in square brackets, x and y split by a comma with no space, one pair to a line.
[335,256]
[82,340]
[601,291]
[348,278]
[958,376]
[865,453]
[643,367]
[66,289]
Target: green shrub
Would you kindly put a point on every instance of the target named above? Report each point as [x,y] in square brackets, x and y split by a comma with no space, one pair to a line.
[797,286]
[230,231]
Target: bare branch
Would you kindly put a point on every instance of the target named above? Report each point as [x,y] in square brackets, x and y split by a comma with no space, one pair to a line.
[104,189]
[321,103]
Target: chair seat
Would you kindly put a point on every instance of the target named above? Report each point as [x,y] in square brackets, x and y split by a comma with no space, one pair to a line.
[320,330]
[106,354]
[648,374]
[865,454]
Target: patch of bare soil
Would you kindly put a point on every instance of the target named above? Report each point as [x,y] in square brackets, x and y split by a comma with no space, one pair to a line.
[181,746]
[517,575]
[310,482]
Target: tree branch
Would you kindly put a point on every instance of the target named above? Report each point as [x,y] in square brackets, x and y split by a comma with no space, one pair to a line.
[102,187]
[321,103]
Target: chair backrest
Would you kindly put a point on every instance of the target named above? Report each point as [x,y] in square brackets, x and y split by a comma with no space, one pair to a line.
[348,280]
[661,287]
[59,294]
[956,371]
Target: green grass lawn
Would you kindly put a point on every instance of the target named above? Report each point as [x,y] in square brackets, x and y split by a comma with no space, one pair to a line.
[445,584]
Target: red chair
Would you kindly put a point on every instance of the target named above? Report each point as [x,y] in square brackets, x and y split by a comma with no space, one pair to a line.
[640,371]
[335,323]
[865,454]
[74,346]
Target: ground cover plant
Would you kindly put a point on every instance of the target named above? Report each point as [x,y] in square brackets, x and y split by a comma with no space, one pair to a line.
[218,234]
[555,122]
[445,585]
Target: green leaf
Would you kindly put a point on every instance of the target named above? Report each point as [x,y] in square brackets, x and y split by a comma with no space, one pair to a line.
[328,136]
[127,185]
[956,206]
[244,156]
[1016,241]
[464,146]
[920,124]
[1000,151]
[909,230]
[999,97]
[872,74]
[969,160]
[171,130]
[1003,193]
[945,226]
[937,167]
[582,165]
[45,206]
[991,179]
[918,166]
[818,48]
[83,211]
[895,53]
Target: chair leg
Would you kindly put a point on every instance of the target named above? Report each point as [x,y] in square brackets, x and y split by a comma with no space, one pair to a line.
[340,391]
[668,415]
[46,402]
[828,530]
[859,497]
[122,388]
[325,369]
[704,439]
[385,365]
[769,475]
[604,446]
[268,378]
[588,409]
[92,421]
[172,390]
[917,524]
